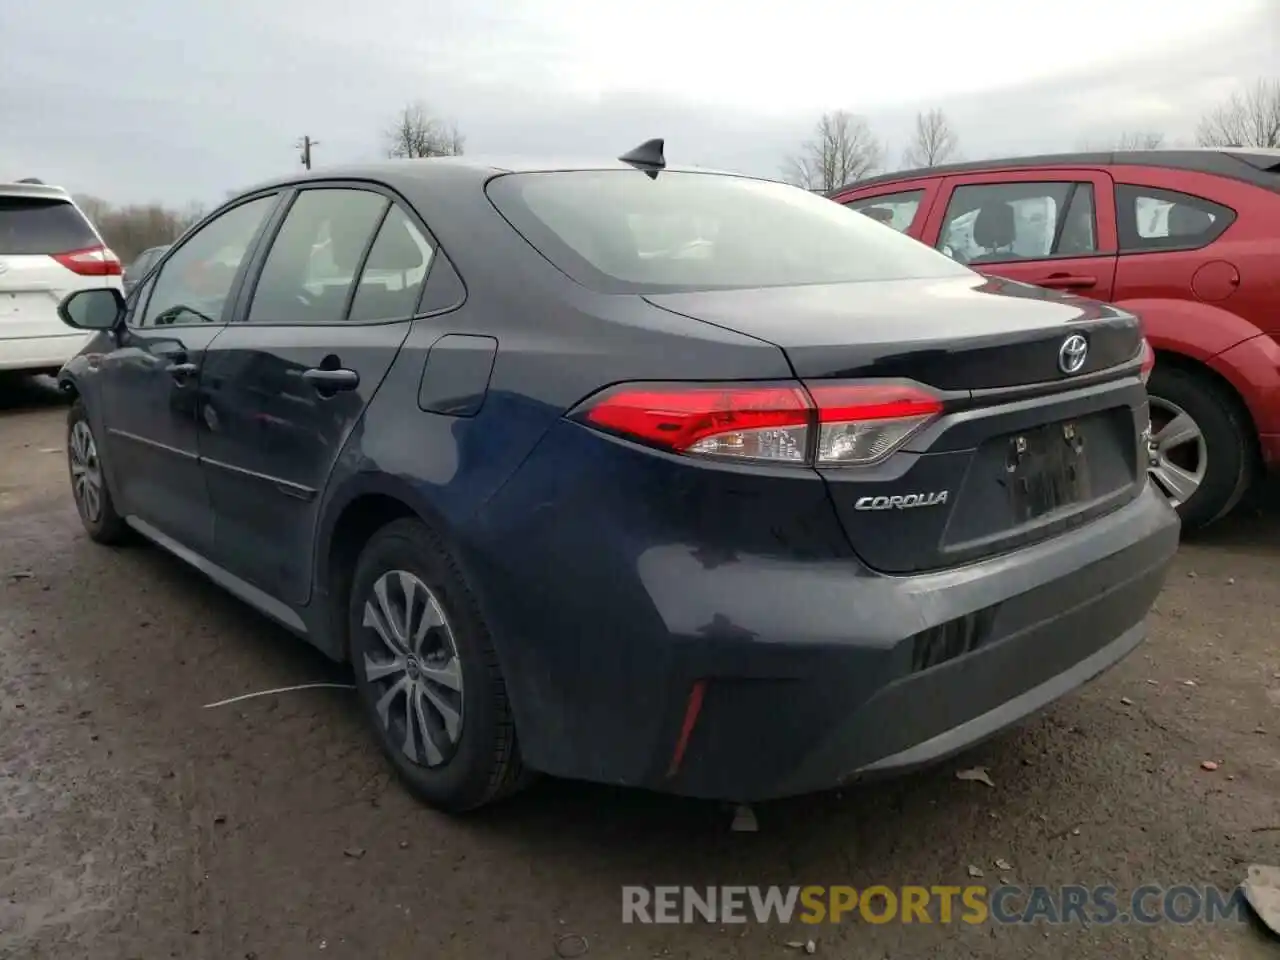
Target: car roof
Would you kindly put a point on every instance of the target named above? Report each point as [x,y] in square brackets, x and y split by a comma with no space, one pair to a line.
[34,191]
[463,170]
[1256,165]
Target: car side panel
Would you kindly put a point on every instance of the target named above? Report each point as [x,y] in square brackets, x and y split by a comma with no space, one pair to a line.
[557,343]
[1251,245]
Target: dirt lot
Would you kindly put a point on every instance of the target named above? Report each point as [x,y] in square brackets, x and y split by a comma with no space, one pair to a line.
[135,824]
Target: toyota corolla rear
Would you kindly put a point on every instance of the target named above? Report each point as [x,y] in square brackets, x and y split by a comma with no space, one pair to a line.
[930,521]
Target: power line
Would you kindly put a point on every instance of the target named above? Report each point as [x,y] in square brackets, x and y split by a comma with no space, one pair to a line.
[305,144]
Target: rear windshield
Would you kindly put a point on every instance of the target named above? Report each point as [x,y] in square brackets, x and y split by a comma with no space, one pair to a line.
[29,225]
[620,231]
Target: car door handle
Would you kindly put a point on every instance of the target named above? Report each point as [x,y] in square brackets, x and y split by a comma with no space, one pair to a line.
[329,381]
[1069,281]
[180,371]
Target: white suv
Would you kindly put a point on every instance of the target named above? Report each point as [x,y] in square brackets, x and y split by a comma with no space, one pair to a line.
[48,249]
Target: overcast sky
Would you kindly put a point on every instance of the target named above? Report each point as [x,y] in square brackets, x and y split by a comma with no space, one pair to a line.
[181,100]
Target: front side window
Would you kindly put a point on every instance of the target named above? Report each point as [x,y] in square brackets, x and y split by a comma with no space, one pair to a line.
[897,210]
[1151,219]
[194,283]
[311,268]
[1005,222]
[621,231]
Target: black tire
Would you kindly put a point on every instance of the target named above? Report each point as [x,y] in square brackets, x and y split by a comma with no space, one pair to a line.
[97,513]
[483,764]
[1229,461]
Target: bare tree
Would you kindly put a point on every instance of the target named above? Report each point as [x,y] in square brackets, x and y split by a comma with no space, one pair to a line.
[131,229]
[1140,140]
[843,150]
[416,133]
[934,142]
[1249,118]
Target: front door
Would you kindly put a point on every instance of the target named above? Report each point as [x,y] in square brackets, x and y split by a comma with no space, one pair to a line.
[287,384]
[151,378]
[1051,228]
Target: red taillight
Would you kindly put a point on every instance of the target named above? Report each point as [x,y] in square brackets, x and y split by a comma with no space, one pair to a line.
[827,424]
[749,422]
[1148,360]
[96,261]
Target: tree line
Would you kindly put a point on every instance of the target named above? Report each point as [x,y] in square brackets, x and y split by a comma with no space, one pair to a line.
[843,148]
[130,229]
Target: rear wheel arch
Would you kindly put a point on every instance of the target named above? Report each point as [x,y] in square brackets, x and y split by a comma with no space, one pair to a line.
[1197,368]
[1226,421]
[348,524]
[351,527]
[1199,331]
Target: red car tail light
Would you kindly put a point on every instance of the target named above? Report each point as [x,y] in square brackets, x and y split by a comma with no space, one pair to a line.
[1148,360]
[96,261]
[749,422]
[826,424]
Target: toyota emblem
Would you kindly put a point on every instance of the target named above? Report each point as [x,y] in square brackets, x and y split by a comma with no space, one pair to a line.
[1073,353]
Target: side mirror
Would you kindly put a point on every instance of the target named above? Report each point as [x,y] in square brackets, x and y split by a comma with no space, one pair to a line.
[99,309]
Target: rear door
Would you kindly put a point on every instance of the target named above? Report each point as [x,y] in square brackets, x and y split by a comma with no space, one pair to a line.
[1052,228]
[287,384]
[47,250]
[904,209]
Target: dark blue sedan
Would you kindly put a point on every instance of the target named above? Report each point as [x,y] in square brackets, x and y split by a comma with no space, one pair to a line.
[617,471]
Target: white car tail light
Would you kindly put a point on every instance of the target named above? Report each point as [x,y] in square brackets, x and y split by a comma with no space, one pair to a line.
[837,424]
[864,423]
[97,261]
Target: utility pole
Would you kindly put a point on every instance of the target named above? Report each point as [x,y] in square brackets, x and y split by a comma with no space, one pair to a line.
[306,143]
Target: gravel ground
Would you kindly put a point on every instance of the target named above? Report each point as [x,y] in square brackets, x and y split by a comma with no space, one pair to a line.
[135,824]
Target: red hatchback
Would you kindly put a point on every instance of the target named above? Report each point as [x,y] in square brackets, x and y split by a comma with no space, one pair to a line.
[1187,239]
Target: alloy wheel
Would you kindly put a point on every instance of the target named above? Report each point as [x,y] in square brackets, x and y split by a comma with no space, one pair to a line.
[86,471]
[1177,453]
[414,668]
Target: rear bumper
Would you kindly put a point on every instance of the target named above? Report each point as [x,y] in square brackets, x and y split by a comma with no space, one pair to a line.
[1041,622]
[40,353]
[816,673]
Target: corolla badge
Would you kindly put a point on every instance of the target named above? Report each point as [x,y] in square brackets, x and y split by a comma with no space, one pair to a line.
[910,500]
[1073,353]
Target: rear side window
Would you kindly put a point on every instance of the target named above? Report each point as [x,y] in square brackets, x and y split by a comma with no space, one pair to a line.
[308,275]
[36,226]
[897,210]
[621,231]
[391,281]
[1151,219]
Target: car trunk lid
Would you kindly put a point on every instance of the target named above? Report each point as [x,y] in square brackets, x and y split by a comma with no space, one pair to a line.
[1034,437]
[968,333]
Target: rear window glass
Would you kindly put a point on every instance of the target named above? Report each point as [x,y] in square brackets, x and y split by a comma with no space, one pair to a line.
[620,231]
[33,226]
